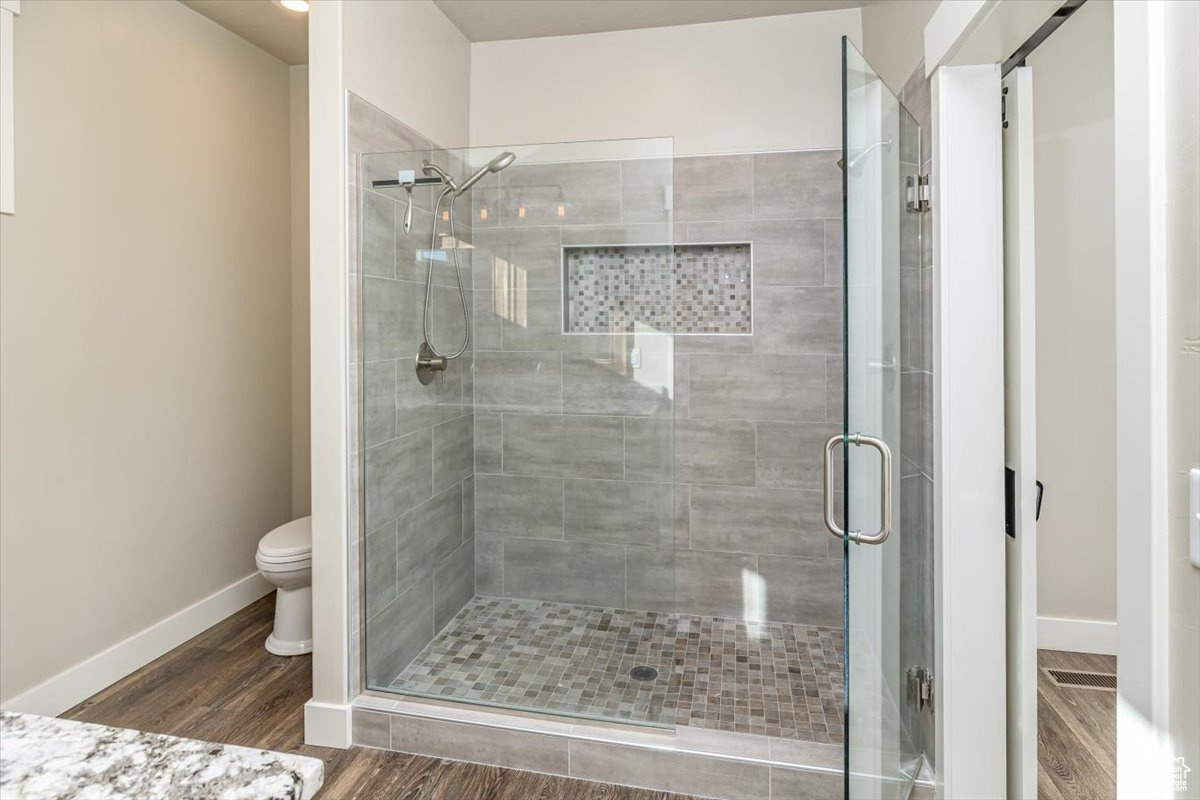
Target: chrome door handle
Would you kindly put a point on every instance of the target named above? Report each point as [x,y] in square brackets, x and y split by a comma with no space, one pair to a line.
[885,515]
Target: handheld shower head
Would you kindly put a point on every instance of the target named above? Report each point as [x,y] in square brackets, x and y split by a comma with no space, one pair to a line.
[495,165]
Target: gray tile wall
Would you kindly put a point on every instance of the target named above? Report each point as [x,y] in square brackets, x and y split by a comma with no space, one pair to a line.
[917,421]
[570,432]
[691,482]
[753,412]
[413,444]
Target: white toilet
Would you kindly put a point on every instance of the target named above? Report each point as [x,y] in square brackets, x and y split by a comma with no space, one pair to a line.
[285,559]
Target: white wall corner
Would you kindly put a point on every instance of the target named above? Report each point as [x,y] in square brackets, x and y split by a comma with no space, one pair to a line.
[327,724]
[1077,635]
[74,685]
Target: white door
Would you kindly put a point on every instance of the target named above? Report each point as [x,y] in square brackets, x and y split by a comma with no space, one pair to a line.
[1020,434]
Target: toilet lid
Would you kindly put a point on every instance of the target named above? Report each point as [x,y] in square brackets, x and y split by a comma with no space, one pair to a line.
[288,541]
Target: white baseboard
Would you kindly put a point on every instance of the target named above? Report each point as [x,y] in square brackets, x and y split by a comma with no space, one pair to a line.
[327,724]
[1077,635]
[86,678]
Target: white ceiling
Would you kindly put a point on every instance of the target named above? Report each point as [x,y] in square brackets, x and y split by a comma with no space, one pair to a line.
[282,33]
[490,20]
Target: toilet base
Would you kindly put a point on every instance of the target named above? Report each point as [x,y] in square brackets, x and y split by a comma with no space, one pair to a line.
[292,635]
[278,647]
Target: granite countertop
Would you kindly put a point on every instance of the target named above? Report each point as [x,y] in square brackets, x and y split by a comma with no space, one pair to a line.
[45,757]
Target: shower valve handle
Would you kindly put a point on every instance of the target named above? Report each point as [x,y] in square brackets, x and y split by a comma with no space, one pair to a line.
[429,364]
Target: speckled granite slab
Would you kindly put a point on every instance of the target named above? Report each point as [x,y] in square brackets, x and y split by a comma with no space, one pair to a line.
[45,757]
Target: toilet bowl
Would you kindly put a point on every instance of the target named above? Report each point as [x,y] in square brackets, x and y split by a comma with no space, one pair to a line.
[284,558]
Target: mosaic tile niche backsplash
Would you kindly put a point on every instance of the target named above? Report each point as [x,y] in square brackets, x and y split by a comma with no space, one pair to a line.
[694,288]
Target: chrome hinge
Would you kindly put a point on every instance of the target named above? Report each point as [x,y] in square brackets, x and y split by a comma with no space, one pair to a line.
[920,688]
[916,191]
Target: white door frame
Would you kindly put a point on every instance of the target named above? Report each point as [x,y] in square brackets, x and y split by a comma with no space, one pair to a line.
[964,45]
[987,31]
[1143,707]
[1020,431]
[969,539]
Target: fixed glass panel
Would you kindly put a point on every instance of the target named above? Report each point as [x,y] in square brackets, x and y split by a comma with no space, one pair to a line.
[519,535]
[884,576]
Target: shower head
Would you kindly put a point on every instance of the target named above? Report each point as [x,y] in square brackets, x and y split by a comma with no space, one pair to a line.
[495,165]
[856,160]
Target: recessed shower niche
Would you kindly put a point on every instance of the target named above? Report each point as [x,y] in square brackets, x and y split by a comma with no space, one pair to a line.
[686,289]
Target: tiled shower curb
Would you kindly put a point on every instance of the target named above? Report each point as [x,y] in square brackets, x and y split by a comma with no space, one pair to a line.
[711,764]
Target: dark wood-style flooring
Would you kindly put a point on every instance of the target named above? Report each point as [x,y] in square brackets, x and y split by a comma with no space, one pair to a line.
[1077,732]
[222,686]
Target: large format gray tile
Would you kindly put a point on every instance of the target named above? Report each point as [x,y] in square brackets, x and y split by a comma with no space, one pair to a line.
[565,572]
[468,507]
[791,455]
[788,253]
[626,233]
[529,381]
[646,190]
[718,583]
[515,505]
[589,193]
[399,475]
[753,520]
[377,234]
[453,452]
[803,590]
[487,442]
[801,784]
[420,406]
[835,389]
[912,416]
[650,579]
[798,320]
[489,566]
[518,258]
[668,771]
[619,512]
[714,188]
[483,745]
[370,729]
[610,385]
[379,401]
[391,322]
[714,451]
[427,534]
[567,446]
[533,320]
[762,387]
[649,449]
[396,634]
[797,185]
[380,565]
[453,583]
[834,247]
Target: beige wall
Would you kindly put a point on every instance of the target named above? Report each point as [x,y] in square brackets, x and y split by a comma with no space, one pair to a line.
[771,83]
[893,37]
[1076,333]
[1182,124]
[301,459]
[145,390]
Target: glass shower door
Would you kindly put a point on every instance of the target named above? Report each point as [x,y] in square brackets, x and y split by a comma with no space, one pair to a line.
[879,139]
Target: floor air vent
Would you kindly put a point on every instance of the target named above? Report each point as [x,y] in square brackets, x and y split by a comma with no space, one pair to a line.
[1084,680]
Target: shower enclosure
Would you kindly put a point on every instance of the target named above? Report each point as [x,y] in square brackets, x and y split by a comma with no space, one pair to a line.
[614,504]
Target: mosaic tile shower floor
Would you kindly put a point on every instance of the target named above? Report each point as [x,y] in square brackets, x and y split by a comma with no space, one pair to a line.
[770,679]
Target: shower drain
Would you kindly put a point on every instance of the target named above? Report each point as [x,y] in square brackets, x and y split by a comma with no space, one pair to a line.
[643,673]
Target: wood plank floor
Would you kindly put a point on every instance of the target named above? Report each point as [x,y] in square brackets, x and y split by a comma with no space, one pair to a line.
[222,686]
[1077,732]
